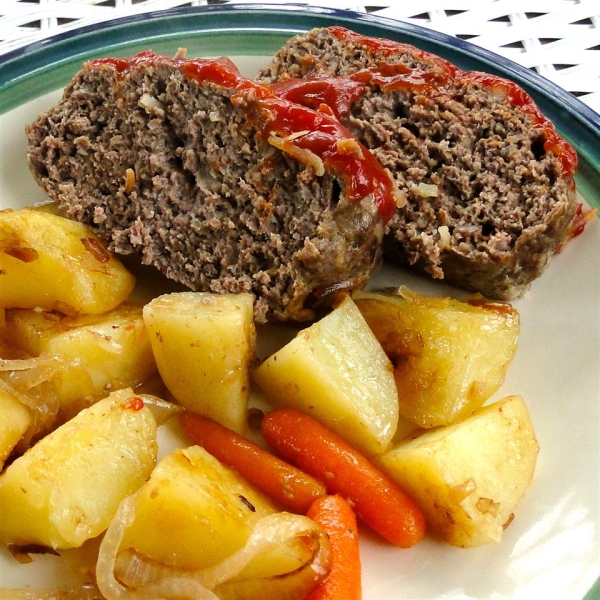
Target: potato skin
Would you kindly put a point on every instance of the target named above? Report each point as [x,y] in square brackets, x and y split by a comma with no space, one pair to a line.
[469,477]
[66,489]
[47,261]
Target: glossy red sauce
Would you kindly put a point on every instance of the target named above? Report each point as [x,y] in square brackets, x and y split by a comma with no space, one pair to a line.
[384,47]
[582,218]
[400,77]
[134,403]
[338,93]
[321,137]
[321,133]
[443,73]
[217,70]
[514,94]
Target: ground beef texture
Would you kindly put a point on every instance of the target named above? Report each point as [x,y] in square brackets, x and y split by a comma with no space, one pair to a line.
[207,176]
[488,183]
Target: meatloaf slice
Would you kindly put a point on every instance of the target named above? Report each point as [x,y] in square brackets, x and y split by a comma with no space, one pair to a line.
[221,185]
[487,180]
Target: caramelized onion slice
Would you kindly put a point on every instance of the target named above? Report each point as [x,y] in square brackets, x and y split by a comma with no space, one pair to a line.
[126,575]
[28,381]
[254,581]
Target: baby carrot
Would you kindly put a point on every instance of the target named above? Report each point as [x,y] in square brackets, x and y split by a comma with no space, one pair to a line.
[377,500]
[338,520]
[283,483]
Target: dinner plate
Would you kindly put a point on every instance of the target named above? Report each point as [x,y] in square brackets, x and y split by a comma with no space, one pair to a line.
[551,550]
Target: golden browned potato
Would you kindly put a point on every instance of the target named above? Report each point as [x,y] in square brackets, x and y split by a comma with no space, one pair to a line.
[469,477]
[15,419]
[94,354]
[337,371]
[67,487]
[50,262]
[449,356]
[194,514]
[204,347]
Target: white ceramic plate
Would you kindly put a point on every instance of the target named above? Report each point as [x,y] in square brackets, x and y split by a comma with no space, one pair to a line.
[551,550]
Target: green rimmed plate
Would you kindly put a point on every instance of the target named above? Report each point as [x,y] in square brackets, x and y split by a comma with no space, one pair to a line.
[552,548]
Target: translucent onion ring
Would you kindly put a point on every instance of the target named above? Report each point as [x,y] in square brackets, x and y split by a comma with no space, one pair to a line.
[142,579]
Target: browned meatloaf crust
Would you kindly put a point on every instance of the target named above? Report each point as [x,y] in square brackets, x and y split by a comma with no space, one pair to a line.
[181,161]
[488,182]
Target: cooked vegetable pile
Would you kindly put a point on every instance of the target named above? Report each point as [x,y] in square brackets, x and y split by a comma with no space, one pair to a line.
[375,415]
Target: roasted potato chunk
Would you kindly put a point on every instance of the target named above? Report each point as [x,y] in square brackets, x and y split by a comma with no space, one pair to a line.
[66,489]
[337,371]
[50,262]
[449,356]
[469,477]
[204,347]
[191,482]
[96,353]
[194,513]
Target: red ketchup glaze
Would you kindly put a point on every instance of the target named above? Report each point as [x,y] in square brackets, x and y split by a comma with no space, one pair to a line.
[553,143]
[338,93]
[218,70]
[385,47]
[443,73]
[317,132]
[400,77]
[134,403]
[582,218]
[326,137]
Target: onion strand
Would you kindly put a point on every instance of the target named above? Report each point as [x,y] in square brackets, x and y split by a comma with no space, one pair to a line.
[126,575]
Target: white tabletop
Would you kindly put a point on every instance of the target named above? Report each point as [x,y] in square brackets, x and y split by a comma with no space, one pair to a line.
[560,39]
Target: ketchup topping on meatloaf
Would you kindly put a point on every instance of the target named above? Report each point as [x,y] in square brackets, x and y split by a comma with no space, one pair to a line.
[309,135]
[215,180]
[339,93]
[487,181]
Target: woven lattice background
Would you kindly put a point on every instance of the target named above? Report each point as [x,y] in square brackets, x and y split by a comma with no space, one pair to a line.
[560,39]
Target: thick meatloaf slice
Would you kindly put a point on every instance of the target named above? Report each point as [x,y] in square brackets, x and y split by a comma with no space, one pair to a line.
[488,182]
[214,180]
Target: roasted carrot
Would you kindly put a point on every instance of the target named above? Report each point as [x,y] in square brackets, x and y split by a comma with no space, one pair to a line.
[338,520]
[378,501]
[283,483]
